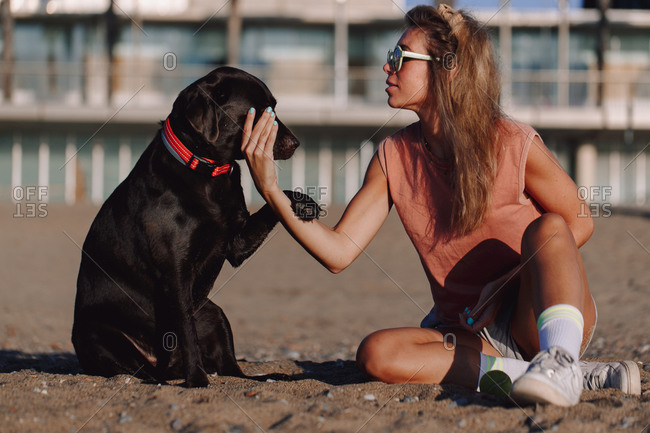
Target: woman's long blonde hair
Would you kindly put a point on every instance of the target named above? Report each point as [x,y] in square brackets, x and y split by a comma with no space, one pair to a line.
[467,105]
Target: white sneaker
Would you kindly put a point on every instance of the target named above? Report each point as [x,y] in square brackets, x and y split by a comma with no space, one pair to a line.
[623,375]
[552,377]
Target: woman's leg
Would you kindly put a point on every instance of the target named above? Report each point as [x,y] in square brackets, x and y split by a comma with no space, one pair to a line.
[555,313]
[420,355]
[552,274]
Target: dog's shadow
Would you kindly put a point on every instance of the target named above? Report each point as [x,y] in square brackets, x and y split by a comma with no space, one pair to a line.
[331,372]
[54,363]
[337,372]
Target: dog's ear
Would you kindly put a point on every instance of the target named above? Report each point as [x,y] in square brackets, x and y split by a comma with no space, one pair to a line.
[201,114]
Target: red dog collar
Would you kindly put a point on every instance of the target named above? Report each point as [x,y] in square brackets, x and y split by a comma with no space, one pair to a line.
[183,154]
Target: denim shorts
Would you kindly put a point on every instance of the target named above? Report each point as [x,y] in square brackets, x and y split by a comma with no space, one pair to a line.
[498,333]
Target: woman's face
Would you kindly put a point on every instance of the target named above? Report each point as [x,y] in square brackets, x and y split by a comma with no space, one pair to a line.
[408,88]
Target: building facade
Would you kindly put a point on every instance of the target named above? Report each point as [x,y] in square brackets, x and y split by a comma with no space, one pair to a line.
[87,88]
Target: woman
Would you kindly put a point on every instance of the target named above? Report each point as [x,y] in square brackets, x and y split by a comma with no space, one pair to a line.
[492,214]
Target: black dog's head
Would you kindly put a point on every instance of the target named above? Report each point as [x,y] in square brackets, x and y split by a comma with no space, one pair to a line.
[209,114]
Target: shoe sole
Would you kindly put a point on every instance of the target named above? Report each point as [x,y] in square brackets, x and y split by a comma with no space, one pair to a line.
[633,378]
[528,390]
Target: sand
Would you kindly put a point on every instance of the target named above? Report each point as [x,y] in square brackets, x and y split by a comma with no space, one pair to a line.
[289,315]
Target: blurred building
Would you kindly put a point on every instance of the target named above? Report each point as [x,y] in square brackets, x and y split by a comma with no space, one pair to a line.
[88,86]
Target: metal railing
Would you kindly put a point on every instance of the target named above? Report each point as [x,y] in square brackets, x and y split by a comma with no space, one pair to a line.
[89,84]
[87,168]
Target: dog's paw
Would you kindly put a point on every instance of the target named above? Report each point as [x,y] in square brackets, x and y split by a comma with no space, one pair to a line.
[303,206]
[198,380]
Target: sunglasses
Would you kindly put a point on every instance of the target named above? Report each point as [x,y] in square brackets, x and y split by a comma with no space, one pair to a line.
[396,57]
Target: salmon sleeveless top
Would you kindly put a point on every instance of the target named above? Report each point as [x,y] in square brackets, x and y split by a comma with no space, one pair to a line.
[458,267]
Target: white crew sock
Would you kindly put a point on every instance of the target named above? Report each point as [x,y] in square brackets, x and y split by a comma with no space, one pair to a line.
[561,325]
[510,366]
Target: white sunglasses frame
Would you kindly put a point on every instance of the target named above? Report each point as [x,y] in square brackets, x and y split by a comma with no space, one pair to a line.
[405,54]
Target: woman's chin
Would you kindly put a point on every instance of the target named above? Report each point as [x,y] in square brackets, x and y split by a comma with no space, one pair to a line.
[399,105]
[393,103]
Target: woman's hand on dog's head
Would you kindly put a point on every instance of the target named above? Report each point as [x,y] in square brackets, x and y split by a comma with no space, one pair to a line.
[257,147]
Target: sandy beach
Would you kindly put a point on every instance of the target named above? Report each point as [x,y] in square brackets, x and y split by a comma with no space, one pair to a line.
[289,315]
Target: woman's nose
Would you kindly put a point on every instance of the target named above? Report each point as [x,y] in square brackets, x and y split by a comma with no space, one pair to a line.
[387,69]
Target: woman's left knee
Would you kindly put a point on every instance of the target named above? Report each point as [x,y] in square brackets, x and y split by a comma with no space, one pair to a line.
[370,355]
[376,356]
[549,226]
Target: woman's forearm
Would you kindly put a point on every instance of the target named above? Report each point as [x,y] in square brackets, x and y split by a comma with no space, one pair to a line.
[332,249]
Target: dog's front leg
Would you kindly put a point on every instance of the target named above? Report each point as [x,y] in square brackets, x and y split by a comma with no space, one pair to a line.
[180,308]
[257,226]
[255,229]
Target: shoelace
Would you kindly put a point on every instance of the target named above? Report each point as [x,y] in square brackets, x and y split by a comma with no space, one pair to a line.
[548,362]
[598,377]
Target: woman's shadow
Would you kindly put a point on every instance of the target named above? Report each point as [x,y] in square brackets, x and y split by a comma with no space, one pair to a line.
[337,373]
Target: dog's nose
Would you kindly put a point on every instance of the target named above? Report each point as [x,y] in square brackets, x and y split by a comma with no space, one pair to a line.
[285,143]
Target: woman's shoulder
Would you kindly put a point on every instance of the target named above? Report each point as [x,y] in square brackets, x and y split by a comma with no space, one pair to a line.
[513,132]
[396,147]
[515,140]
[403,136]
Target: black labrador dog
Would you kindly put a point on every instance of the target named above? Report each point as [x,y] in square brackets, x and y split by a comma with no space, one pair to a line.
[159,241]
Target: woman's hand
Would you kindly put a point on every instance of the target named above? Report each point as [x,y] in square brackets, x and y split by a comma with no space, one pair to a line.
[257,147]
[485,311]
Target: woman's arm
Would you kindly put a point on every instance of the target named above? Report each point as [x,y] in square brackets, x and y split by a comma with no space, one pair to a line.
[552,188]
[337,247]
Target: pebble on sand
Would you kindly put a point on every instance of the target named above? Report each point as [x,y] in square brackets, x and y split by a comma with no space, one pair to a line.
[176,424]
[124,418]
